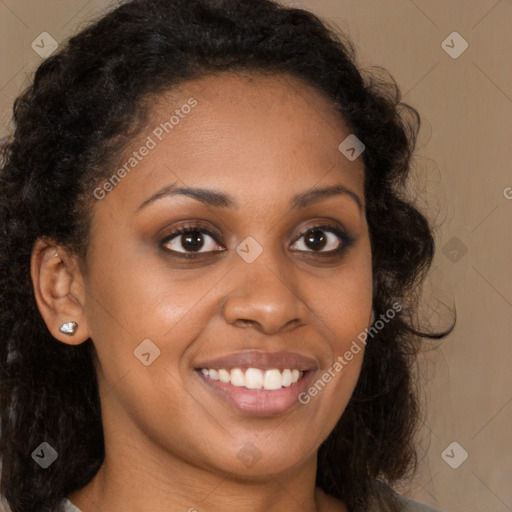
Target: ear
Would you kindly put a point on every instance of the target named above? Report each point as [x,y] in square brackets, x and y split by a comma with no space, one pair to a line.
[59,290]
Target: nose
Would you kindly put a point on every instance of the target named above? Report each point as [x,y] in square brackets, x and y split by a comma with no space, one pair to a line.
[265,296]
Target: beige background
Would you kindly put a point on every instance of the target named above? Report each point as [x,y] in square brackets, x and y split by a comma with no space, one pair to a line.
[464,172]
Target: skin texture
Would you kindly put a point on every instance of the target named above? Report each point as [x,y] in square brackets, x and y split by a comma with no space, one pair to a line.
[171,443]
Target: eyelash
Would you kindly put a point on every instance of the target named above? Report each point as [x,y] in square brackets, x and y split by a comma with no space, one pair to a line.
[345,240]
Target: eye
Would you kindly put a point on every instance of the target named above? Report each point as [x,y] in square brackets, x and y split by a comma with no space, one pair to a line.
[190,240]
[194,240]
[324,239]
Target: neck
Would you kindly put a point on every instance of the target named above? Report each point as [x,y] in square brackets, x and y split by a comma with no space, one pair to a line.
[121,481]
[141,475]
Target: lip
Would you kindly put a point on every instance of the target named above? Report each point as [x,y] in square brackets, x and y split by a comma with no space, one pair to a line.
[259,402]
[262,360]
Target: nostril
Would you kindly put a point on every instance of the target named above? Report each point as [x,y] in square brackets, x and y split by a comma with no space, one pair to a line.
[245,322]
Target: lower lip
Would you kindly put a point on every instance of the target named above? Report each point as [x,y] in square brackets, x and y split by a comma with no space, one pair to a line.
[260,402]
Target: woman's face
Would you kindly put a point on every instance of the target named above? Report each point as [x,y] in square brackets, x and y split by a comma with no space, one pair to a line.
[263,280]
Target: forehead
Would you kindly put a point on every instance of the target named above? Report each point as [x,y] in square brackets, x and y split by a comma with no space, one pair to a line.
[252,135]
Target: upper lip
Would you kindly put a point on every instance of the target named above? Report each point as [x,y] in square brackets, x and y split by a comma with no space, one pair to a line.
[262,360]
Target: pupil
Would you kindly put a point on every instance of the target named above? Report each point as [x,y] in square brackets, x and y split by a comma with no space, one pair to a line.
[192,241]
[314,237]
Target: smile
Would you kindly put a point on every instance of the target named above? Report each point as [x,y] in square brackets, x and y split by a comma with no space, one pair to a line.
[258,382]
[255,378]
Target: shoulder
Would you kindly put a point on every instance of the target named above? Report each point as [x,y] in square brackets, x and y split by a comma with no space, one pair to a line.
[409,505]
[406,504]
[385,498]
[67,506]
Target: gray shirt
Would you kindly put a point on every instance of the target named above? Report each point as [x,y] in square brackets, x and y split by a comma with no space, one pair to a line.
[408,506]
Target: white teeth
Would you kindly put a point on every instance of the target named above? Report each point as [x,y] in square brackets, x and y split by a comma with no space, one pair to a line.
[254,378]
[287,378]
[213,374]
[272,379]
[224,376]
[237,377]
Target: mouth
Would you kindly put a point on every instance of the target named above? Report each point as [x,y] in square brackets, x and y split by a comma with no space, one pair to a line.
[256,391]
[257,382]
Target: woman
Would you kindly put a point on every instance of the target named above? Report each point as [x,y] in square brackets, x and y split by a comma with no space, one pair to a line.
[209,269]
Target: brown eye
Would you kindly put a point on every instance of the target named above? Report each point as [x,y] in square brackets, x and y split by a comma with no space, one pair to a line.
[190,239]
[324,239]
[316,240]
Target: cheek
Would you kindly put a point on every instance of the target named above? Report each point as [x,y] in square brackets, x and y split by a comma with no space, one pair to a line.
[329,393]
[133,297]
[344,299]
[343,307]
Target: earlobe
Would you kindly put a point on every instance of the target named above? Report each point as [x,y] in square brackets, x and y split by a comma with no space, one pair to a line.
[59,292]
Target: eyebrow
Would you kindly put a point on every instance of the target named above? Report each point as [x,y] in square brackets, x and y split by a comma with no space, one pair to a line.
[219,199]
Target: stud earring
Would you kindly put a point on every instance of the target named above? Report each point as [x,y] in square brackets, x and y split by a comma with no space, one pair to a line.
[68,328]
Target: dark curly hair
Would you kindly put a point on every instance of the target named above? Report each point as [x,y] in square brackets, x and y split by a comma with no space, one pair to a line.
[85,104]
